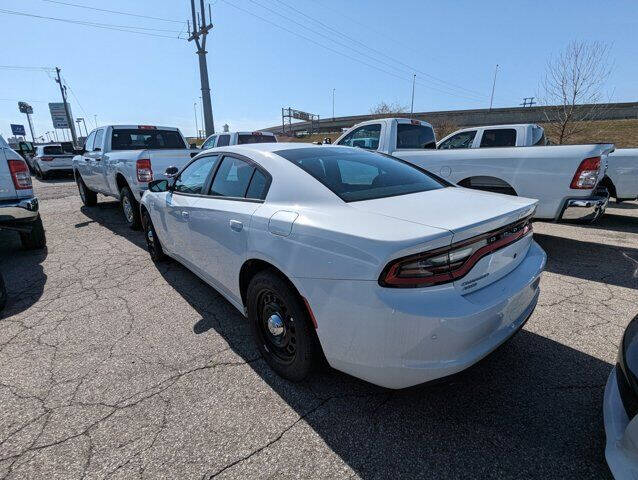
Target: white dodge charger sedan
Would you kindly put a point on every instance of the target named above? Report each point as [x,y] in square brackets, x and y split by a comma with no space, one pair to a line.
[394,275]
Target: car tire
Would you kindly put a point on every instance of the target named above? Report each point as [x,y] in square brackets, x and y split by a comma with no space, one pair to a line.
[281,327]
[3,293]
[130,208]
[38,172]
[153,244]
[88,197]
[36,238]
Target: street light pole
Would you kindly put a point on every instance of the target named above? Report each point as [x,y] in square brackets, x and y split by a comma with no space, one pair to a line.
[196,125]
[412,104]
[333,104]
[493,85]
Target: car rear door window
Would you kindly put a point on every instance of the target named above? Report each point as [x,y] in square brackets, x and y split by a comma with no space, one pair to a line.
[415,136]
[193,177]
[223,141]
[232,178]
[460,140]
[258,186]
[366,136]
[501,137]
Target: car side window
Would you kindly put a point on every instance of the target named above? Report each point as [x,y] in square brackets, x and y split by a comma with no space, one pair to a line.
[193,177]
[232,178]
[501,137]
[88,144]
[364,137]
[258,187]
[223,141]
[210,143]
[460,140]
[99,135]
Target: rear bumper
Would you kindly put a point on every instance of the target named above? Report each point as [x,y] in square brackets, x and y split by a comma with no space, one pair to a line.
[52,167]
[16,211]
[589,208]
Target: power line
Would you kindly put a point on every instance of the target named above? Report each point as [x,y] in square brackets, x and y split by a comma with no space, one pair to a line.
[113,11]
[327,47]
[19,67]
[66,83]
[106,26]
[410,68]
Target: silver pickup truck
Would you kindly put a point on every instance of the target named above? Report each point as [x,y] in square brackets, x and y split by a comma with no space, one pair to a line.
[18,206]
[120,160]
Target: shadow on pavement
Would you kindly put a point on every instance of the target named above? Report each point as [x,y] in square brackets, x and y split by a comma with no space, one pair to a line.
[591,261]
[532,409]
[23,274]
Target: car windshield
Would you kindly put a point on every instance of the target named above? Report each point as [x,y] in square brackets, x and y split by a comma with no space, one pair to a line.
[142,139]
[354,174]
[53,150]
[255,138]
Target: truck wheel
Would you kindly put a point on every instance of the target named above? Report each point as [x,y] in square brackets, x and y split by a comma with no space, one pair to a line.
[281,327]
[153,244]
[131,208]
[35,239]
[89,197]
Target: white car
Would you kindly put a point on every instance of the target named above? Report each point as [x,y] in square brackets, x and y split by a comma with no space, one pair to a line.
[620,408]
[51,158]
[395,276]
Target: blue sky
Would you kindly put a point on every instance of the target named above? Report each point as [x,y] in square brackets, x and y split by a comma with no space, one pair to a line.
[256,68]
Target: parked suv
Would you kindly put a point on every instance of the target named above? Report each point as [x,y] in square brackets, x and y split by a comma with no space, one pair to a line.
[51,158]
[18,205]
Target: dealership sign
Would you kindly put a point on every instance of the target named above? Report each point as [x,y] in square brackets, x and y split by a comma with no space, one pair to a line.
[17,129]
[58,115]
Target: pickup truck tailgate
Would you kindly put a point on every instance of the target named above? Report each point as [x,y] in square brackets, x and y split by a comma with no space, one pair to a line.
[162,159]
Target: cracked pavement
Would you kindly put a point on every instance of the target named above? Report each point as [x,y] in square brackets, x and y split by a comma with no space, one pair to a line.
[111,367]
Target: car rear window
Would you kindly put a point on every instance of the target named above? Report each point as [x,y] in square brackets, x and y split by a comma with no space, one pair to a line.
[53,150]
[142,139]
[415,136]
[355,174]
[255,138]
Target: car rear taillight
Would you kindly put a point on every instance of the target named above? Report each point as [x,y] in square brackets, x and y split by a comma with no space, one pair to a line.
[20,174]
[46,159]
[144,171]
[448,264]
[586,175]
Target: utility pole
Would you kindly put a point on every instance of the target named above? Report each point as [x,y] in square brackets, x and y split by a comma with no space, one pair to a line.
[493,85]
[95,120]
[412,105]
[198,34]
[69,120]
[85,130]
[333,104]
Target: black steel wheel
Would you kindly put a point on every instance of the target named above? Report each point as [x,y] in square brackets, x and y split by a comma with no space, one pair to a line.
[153,244]
[281,326]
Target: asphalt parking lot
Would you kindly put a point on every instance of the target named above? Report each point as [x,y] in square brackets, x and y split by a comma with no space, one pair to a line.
[111,367]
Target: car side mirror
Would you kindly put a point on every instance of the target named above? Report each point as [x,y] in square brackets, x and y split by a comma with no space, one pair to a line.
[193,146]
[158,186]
[171,171]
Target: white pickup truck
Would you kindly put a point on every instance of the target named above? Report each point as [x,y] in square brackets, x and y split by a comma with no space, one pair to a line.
[564,179]
[120,160]
[224,139]
[18,206]
[621,178]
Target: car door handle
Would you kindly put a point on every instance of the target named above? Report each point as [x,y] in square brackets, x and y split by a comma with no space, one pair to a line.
[185,215]
[236,225]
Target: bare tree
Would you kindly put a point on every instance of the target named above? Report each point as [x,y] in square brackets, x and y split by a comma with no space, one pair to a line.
[383,108]
[571,89]
[444,127]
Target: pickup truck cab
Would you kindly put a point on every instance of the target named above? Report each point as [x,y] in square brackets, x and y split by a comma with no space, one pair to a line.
[18,206]
[120,160]
[226,139]
[519,135]
[564,179]
[621,178]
